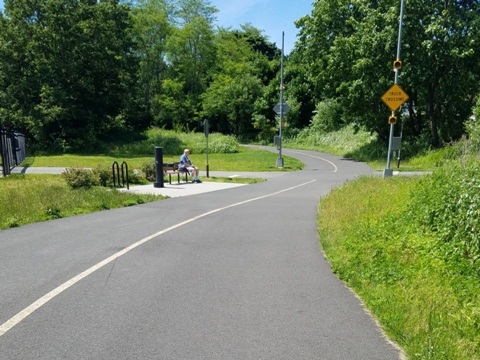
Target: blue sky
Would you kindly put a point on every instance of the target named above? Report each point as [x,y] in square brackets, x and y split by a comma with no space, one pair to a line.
[271,16]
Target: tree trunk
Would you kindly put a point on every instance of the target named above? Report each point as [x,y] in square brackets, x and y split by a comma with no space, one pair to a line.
[433,120]
[433,124]
[414,116]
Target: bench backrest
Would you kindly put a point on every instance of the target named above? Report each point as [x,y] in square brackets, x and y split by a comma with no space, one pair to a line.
[173,167]
[170,166]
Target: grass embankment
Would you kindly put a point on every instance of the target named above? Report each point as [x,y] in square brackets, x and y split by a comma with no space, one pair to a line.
[410,247]
[425,295]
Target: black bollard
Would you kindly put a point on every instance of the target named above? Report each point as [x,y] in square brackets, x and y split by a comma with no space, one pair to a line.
[158,167]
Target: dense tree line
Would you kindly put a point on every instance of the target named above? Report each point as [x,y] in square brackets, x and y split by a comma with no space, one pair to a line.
[66,70]
[73,71]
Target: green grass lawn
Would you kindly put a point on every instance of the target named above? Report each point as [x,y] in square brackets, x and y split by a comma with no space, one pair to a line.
[245,160]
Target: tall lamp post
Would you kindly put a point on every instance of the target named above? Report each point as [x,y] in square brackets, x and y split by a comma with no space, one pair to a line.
[282,110]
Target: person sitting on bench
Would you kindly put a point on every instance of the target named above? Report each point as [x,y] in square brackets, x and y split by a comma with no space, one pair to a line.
[185,163]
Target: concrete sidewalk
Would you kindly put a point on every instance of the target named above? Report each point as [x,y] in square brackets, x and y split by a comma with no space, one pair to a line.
[186,189]
[182,189]
[170,190]
[37,170]
[230,174]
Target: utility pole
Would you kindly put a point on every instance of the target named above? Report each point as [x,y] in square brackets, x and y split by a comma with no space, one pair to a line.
[282,110]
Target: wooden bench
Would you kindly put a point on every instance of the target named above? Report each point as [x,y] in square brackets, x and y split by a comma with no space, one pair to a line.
[172,169]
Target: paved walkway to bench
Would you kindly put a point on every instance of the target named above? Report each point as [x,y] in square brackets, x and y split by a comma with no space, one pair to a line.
[173,190]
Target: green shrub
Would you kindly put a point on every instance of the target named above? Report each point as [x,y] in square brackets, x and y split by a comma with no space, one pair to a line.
[170,141]
[221,144]
[448,203]
[104,174]
[326,117]
[173,143]
[149,171]
[137,177]
[81,178]
[473,128]
[347,141]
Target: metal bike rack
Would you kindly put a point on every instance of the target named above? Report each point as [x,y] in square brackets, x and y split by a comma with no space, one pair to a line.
[116,170]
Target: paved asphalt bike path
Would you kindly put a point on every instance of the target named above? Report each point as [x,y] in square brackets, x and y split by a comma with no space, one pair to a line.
[231,274]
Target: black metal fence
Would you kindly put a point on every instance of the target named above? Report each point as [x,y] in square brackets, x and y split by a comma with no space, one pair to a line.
[12,147]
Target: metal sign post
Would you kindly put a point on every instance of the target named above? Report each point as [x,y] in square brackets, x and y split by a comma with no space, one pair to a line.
[158,168]
[397,64]
[206,131]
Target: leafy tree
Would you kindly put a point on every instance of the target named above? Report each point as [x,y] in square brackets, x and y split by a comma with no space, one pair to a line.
[298,89]
[16,95]
[232,101]
[344,46]
[151,30]
[172,106]
[326,117]
[348,48]
[238,101]
[442,69]
[266,66]
[258,42]
[71,69]
[187,11]
[191,52]
[190,55]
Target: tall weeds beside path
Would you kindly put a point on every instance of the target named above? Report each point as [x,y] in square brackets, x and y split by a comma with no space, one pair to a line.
[26,199]
[426,296]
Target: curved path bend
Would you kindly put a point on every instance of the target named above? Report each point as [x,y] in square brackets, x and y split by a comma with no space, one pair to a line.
[232,274]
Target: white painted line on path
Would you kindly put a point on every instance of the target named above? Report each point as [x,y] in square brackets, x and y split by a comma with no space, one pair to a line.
[9,324]
[317,157]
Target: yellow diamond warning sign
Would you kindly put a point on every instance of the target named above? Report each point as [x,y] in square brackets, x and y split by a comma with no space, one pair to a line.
[394,97]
